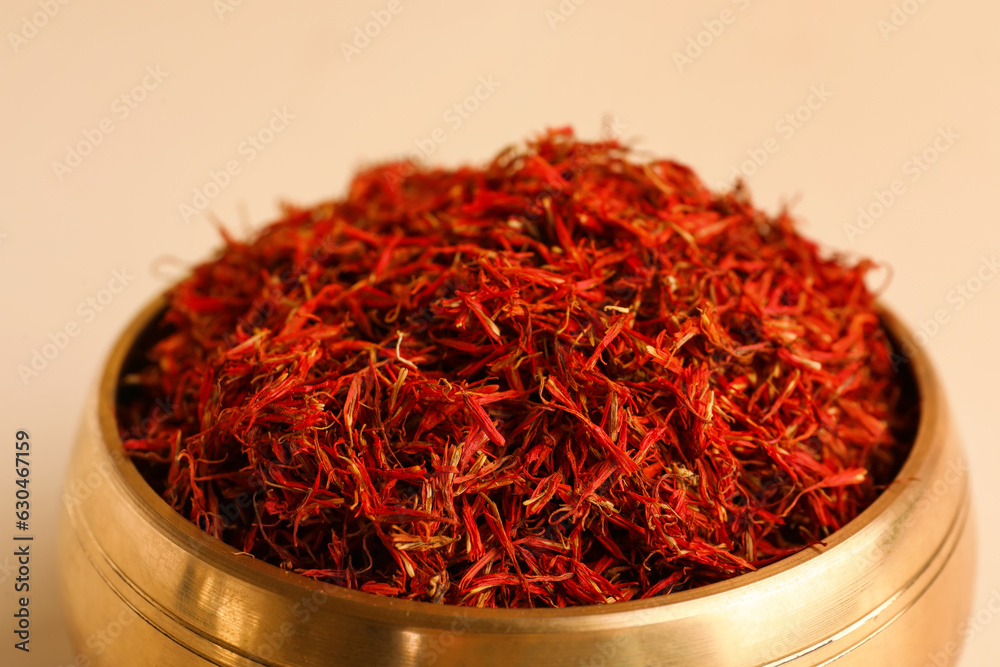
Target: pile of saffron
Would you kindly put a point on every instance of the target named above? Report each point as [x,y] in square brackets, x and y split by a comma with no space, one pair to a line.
[565,378]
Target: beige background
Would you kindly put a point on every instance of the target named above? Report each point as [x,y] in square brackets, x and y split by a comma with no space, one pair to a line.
[892,82]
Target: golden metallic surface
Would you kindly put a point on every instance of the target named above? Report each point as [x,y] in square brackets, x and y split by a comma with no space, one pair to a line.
[145,587]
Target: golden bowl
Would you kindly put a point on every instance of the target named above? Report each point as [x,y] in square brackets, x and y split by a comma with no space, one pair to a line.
[143,586]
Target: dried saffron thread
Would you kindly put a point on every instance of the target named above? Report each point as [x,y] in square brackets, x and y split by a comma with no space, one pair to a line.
[565,378]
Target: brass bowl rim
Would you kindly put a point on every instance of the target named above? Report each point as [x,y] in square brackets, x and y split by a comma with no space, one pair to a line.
[282,582]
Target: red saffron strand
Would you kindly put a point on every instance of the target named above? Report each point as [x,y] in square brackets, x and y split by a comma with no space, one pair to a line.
[564,378]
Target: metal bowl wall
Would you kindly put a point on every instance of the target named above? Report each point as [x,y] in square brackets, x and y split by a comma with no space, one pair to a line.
[145,587]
